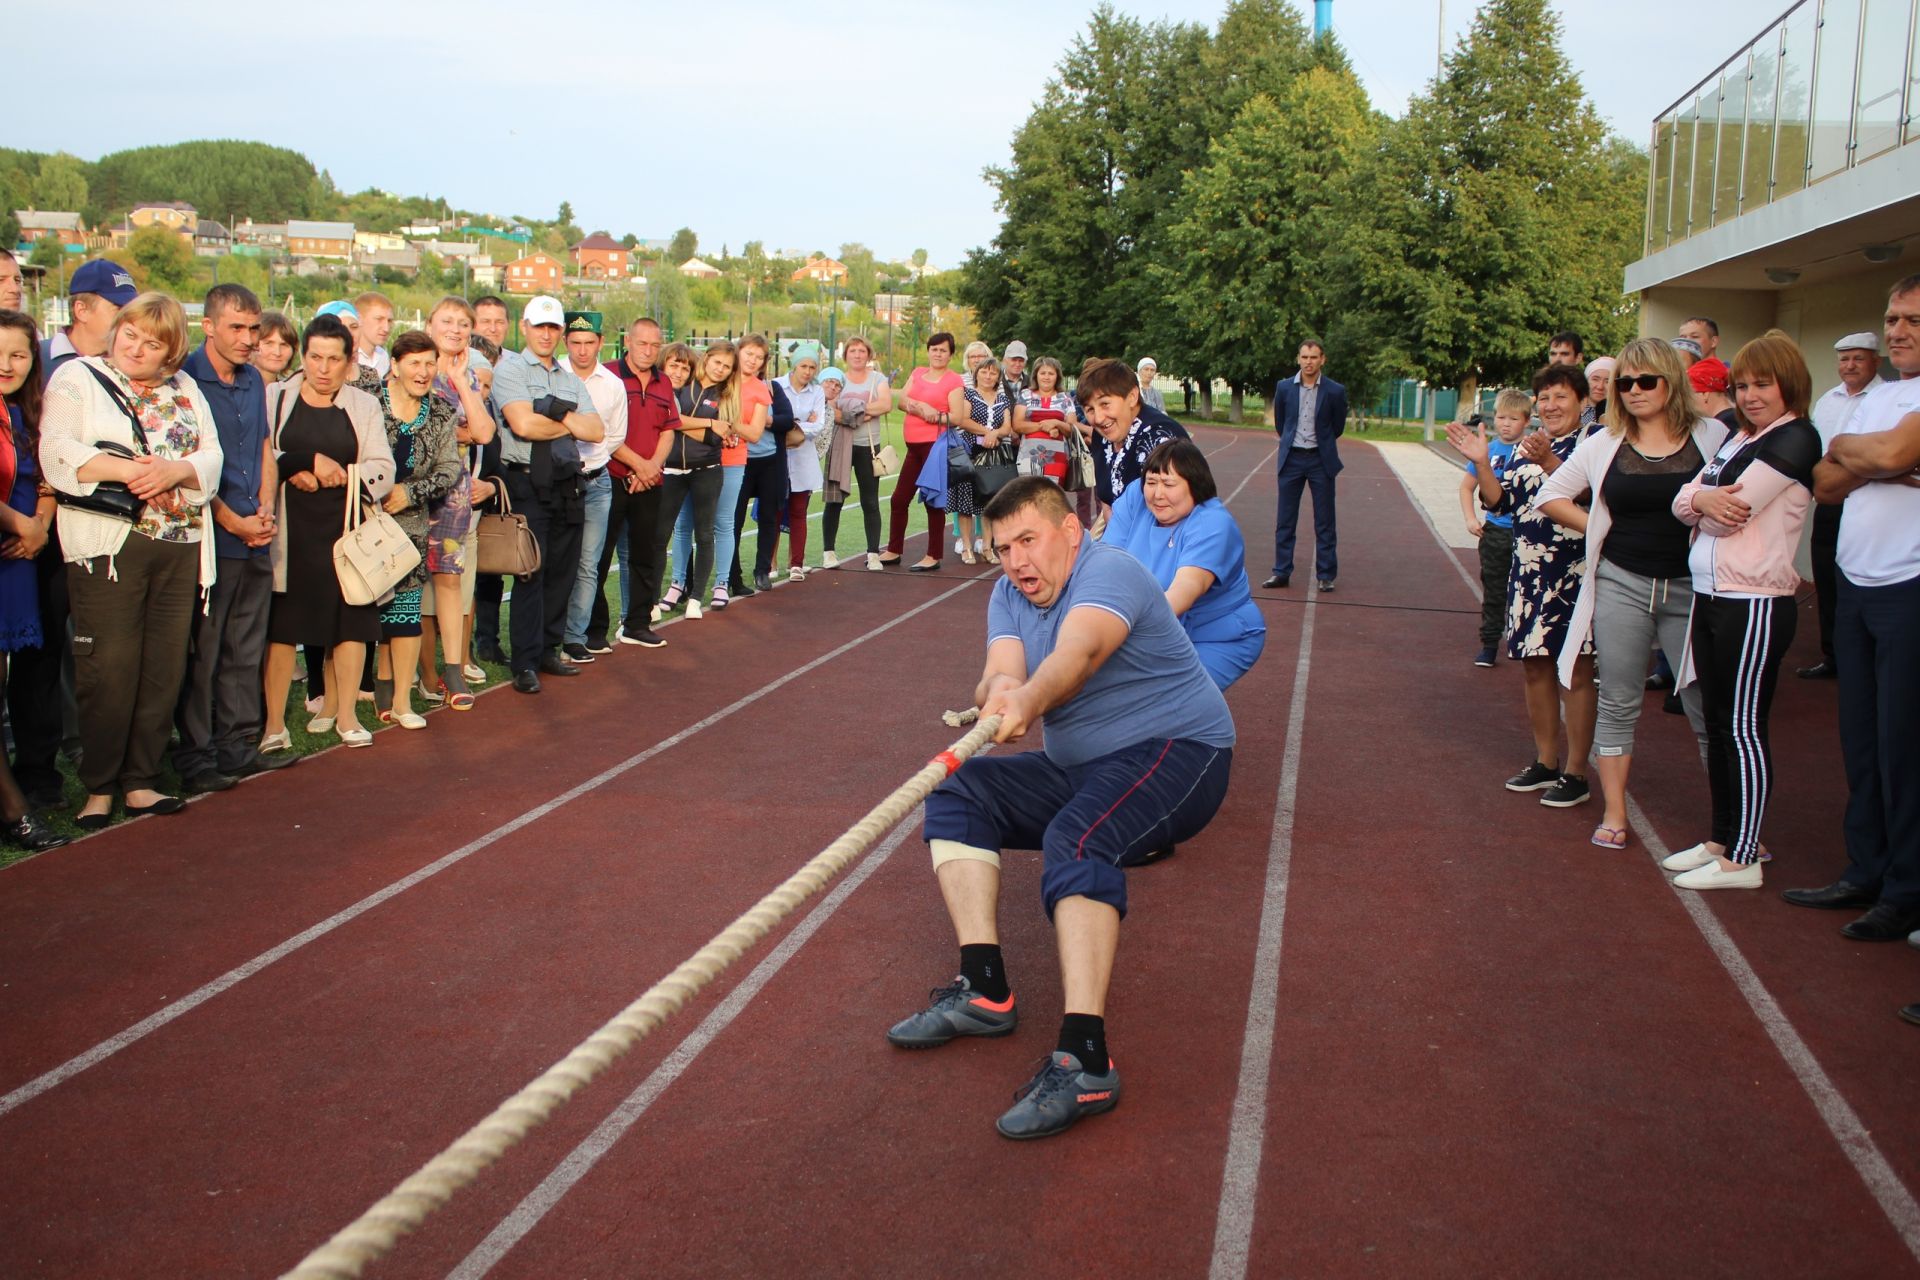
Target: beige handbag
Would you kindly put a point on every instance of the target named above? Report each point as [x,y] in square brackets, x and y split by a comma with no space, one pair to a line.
[374,554]
[886,461]
[504,541]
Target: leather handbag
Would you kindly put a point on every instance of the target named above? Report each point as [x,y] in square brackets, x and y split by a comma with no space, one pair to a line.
[1079,462]
[111,498]
[504,541]
[374,554]
[886,461]
[959,466]
[993,471]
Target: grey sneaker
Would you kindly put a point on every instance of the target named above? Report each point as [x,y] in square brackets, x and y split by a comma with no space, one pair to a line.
[1057,1096]
[955,1011]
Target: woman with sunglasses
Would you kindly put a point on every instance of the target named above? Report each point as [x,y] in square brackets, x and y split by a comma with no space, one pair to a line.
[1637,591]
[1548,563]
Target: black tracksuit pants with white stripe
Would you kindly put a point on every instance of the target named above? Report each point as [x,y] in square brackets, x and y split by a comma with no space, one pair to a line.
[1738,646]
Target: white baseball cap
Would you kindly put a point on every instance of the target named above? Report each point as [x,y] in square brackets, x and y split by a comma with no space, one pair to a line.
[1016,350]
[1859,342]
[544,310]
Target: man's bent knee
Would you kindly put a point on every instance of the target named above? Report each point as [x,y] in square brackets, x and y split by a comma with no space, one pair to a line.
[945,851]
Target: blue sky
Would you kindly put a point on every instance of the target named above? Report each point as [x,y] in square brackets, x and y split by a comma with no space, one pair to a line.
[801,126]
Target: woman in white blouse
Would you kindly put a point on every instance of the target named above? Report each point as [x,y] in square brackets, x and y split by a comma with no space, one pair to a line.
[130,425]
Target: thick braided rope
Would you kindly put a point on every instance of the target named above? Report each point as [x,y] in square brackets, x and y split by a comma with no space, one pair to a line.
[379,1229]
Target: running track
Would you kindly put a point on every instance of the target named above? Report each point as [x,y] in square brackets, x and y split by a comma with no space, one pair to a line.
[1382,1019]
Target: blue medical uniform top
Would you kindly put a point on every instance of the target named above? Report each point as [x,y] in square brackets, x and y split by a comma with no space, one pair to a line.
[1207,539]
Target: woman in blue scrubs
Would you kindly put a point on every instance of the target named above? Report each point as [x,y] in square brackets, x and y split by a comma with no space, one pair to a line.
[1173,522]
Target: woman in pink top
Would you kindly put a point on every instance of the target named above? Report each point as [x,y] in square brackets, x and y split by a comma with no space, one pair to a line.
[1746,507]
[928,395]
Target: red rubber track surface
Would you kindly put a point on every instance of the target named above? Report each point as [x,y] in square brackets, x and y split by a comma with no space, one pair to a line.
[1498,1050]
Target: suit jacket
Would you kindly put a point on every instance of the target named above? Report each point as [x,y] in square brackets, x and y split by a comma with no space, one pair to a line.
[1329,417]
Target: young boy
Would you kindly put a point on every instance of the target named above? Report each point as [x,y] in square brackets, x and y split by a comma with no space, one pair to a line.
[1511,413]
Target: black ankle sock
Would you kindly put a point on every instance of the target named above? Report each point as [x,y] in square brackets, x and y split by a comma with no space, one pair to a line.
[1084,1035]
[985,972]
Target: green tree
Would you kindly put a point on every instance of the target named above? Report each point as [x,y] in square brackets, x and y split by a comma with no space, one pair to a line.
[46,251]
[166,257]
[684,245]
[61,184]
[1246,274]
[919,261]
[753,257]
[1497,211]
[863,273]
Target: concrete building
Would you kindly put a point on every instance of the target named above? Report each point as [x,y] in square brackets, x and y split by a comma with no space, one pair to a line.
[1785,187]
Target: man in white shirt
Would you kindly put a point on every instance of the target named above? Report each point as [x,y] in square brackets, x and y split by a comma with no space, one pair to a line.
[609,398]
[1871,465]
[376,322]
[1859,358]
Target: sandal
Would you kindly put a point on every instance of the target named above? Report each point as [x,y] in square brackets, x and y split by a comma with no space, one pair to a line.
[383,700]
[967,557]
[1609,837]
[453,688]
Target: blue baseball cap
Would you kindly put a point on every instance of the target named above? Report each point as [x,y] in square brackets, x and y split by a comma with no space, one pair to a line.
[342,309]
[106,279]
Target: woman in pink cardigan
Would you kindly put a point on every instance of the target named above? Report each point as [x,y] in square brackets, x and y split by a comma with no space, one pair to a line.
[1747,507]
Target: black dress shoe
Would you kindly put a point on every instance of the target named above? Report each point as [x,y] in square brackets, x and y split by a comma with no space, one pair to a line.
[1887,922]
[205,782]
[764,581]
[1838,896]
[31,836]
[740,590]
[1821,670]
[1325,584]
[489,651]
[526,682]
[1278,582]
[552,664]
[259,763]
[163,807]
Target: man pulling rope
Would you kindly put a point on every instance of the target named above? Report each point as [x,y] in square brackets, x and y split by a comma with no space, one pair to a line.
[1080,633]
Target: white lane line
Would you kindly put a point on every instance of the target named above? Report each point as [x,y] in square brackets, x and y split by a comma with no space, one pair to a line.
[1259,468]
[1892,1195]
[233,977]
[1233,1227]
[1840,1118]
[581,1160]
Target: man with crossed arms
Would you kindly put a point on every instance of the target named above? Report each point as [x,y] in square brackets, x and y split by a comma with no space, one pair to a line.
[1139,746]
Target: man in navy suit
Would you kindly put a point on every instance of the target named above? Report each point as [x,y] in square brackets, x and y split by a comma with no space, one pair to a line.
[1309,411]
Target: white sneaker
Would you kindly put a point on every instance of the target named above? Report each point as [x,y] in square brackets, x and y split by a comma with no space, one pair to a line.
[1687,859]
[873,563]
[796,574]
[959,546]
[828,560]
[1712,877]
[693,611]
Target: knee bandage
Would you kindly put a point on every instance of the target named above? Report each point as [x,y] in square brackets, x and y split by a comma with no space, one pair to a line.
[945,851]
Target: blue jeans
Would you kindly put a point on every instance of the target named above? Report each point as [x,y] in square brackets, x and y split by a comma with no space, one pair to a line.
[1086,820]
[724,535]
[593,536]
[1302,469]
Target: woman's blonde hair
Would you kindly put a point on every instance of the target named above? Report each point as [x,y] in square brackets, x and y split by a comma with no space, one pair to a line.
[730,389]
[974,348]
[857,341]
[1775,357]
[160,317]
[1653,355]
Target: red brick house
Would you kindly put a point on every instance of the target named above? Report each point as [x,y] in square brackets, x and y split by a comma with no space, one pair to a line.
[601,257]
[535,273]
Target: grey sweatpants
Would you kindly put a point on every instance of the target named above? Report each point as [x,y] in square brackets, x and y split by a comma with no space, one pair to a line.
[1631,614]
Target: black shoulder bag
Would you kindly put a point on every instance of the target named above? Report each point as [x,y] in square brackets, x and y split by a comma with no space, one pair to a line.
[111,498]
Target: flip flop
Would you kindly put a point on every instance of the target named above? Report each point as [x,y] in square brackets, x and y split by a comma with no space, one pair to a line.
[1609,837]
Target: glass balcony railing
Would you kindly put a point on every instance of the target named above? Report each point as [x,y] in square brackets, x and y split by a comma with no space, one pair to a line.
[1829,85]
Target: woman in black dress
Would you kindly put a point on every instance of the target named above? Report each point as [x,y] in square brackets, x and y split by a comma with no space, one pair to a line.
[320,426]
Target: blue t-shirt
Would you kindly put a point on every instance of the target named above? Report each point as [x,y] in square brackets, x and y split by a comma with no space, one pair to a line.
[240,418]
[1499,457]
[1206,539]
[1153,685]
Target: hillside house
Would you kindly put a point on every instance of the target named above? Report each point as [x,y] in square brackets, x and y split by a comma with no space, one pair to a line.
[535,273]
[37,224]
[696,269]
[822,271]
[601,257]
[320,239]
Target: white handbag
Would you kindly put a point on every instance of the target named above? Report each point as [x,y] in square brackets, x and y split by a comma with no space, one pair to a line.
[374,554]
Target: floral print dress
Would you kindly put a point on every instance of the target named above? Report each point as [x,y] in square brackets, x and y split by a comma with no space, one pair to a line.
[1548,561]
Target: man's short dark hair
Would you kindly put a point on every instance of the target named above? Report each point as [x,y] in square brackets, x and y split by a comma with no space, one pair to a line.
[329,326]
[237,296]
[485,346]
[1562,375]
[1315,343]
[1107,378]
[1904,287]
[490,300]
[1708,321]
[1038,492]
[941,339]
[1569,338]
[1184,459]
